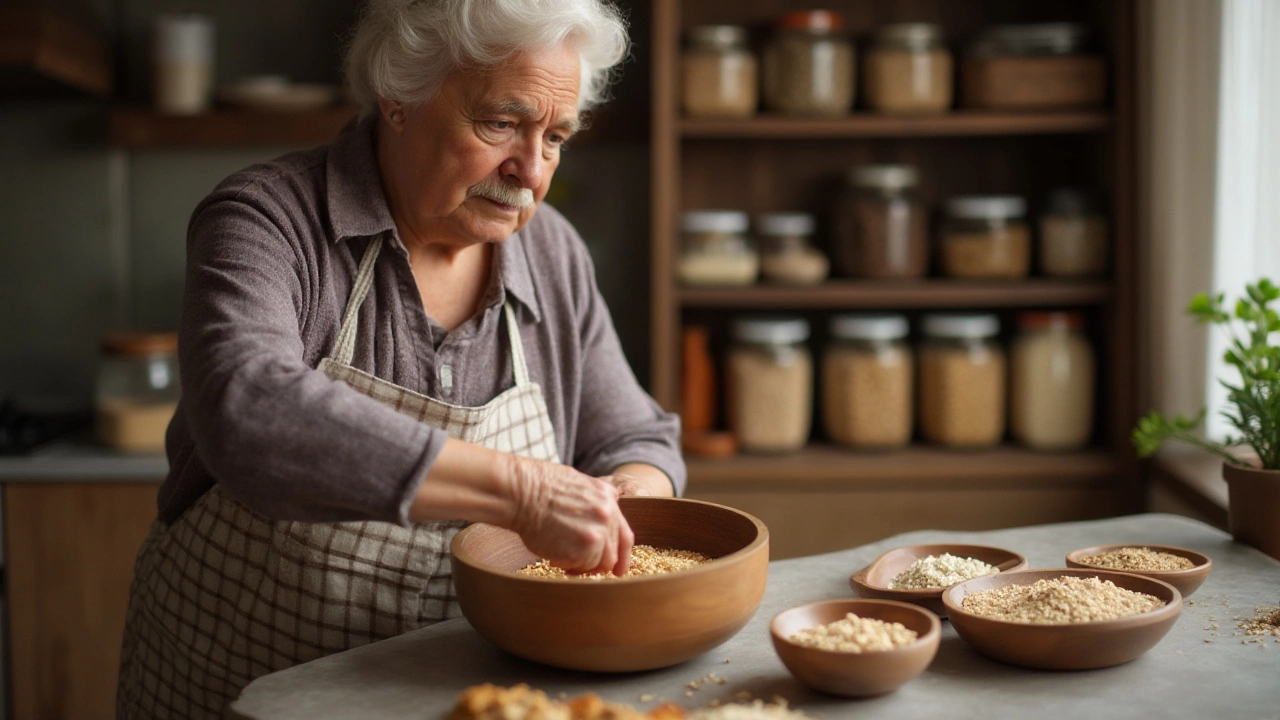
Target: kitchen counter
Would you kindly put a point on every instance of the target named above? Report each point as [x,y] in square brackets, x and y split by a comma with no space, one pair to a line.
[80,460]
[1196,671]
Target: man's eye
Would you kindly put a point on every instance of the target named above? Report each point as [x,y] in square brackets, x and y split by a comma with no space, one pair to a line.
[501,124]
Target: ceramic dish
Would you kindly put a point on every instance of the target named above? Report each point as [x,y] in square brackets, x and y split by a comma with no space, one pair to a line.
[624,624]
[856,674]
[873,580]
[1072,646]
[1185,580]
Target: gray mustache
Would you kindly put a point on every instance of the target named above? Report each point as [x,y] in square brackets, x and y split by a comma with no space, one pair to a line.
[501,192]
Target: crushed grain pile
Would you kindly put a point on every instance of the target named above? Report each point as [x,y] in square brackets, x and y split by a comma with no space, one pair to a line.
[1060,601]
[855,634]
[1265,621]
[941,571]
[1138,558]
[645,560]
[754,710]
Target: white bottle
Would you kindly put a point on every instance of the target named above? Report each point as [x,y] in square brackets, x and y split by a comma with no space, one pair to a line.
[183,64]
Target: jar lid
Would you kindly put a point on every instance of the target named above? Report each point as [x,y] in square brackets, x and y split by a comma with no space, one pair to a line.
[883,177]
[986,207]
[912,35]
[1039,320]
[811,20]
[718,36]
[1060,38]
[869,327]
[785,223]
[771,331]
[961,326]
[714,221]
[140,343]
[1071,201]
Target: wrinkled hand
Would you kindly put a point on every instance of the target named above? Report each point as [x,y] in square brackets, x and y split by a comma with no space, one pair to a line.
[570,518]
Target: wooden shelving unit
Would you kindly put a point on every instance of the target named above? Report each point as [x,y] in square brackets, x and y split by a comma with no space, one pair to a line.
[44,52]
[817,499]
[141,128]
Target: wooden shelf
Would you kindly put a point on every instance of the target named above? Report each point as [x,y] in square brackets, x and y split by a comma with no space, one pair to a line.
[42,51]
[934,293]
[915,468]
[868,125]
[136,127]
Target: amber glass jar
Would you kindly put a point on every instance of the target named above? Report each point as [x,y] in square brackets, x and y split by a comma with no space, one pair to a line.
[136,392]
[770,379]
[809,65]
[880,226]
[962,380]
[1052,382]
[719,74]
[908,70]
[867,374]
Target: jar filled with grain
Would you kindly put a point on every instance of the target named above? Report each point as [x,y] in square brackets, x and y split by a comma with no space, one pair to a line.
[1073,235]
[1052,381]
[985,236]
[770,395]
[867,373]
[136,391]
[1033,67]
[908,70]
[809,65]
[719,74]
[880,227]
[715,249]
[787,254]
[962,380]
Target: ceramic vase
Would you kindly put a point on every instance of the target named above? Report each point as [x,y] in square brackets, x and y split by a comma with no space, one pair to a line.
[1254,506]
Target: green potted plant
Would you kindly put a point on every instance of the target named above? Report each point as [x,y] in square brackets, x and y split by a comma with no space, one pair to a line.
[1253,411]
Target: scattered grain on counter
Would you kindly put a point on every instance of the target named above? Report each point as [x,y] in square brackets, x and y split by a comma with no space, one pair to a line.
[941,571]
[1264,623]
[1138,558]
[855,634]
[1060,601]
[645,560]
[753,710]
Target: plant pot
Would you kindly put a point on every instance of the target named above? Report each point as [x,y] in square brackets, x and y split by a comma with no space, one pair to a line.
[1254,507]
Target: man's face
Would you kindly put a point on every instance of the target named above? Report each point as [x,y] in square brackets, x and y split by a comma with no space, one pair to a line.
[476,159]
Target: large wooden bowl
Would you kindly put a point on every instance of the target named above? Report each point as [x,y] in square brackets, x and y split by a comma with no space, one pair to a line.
[1187,581]
[873,580]
[624,624]
[1073,646]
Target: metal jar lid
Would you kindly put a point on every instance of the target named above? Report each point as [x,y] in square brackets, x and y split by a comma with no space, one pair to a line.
[883,177]
[717,37]
[911,36]
[140,344]
[869,327]
[986,207]
[771,331]
[785,224]
[1035,39]
[961,326]
[714,221]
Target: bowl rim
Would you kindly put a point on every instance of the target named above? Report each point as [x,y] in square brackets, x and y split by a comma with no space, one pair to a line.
[1074,556]
[934,634]
[762,538]
[1173,607]
[862,577]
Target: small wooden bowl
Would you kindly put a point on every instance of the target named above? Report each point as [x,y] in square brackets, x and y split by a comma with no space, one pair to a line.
[1073,646]
[1185,580]
[623,624]
[873,580]
[856,674]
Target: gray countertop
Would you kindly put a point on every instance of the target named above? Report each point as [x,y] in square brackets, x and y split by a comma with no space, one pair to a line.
[1194,672]
[80,460]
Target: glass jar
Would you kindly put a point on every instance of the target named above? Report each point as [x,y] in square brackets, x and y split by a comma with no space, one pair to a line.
[787,256]
[880,226]
[908,70]
[986,236]
[809,65]
[962,380]
[136,392]
[1073,235]
[715,249]
[770,397]
[1029,67]
[867,374]
[719,73]
[1052,382]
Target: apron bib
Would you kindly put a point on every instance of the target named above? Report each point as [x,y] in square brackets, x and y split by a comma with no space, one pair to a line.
[224,595]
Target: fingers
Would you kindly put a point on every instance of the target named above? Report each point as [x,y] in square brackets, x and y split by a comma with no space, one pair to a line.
[626,539]
[571,519]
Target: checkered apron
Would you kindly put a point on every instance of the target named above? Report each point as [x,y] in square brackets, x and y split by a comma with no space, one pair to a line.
[225,595]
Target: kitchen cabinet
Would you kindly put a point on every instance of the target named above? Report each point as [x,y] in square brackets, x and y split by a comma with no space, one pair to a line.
[45,52]
[825,498]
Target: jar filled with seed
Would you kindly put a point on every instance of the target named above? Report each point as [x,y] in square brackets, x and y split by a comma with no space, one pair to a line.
[137,390]
[809,65]
[715,249]
[770,384]
[962,380]
[1052,381]
[867,373]
[719,74]
[1073,235]
[986,236]
[787,254]
[880,227]
[908,70]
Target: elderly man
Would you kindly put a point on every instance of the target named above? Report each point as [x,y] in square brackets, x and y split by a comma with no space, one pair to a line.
[383,339]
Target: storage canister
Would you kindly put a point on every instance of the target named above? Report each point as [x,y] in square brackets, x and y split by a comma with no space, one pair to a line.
[770,397]
[719,73]
[985,236]
[1073,235]
[867,374]
[787,256]
[1026,67]
[962,380]
[136,391]
[809,65]
[908,70]
[880,226]
[715,249]
[1052,381]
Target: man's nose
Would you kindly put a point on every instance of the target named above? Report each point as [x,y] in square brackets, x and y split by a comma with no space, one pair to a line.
[525,165]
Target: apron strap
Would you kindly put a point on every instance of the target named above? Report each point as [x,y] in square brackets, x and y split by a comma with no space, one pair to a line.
[345,348]
[518,366]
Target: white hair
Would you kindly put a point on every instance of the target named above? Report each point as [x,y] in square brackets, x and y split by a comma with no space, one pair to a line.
[402,50]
